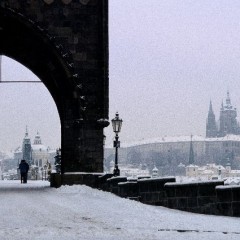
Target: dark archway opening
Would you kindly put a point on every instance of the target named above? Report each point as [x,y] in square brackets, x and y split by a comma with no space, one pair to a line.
[25,42]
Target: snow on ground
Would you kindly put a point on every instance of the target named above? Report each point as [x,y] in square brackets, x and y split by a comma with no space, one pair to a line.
[36,211]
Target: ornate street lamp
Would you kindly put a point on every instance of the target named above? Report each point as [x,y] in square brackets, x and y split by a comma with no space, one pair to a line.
[42,172]
[117,124]
[45,170]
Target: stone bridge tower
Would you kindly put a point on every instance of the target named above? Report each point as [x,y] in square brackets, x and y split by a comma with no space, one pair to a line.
[65,43]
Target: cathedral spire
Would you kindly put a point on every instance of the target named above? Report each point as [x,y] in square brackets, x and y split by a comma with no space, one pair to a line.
[222,107]
[210,107]
[26,133]
[211,127]
[228,100]
[37,139]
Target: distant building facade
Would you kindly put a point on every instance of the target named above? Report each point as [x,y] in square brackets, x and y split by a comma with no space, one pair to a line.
[211,172]
[228,123]
[35,154]
[40,153]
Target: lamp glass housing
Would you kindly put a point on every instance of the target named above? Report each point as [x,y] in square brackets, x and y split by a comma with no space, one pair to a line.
[117,123]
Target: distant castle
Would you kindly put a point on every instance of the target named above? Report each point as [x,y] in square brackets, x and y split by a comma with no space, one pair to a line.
[227,121]
[221,146]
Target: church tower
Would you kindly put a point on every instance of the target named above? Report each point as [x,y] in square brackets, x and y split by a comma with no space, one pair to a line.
[26,148]
[37,139]
[191,153]
[228,119]
[211,128]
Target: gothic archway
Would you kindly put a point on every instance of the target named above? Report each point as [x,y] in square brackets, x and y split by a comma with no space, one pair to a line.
[28,43]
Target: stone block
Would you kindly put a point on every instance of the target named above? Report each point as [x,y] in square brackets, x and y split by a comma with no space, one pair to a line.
[182,203]
[206,209]
[224,194]
[128,189]
[203,201]
[236,209]
[194,209]
[170,191]
[172,203]
[187,190]
[163,203]
[155,197]
[153,184]
[113,184]
[152,187]
[208,188]
[224,208]
[192,202]
[149,197]
[236,194]
[162,195]
[89,179]
[102,181]
[142,197]
[143,186]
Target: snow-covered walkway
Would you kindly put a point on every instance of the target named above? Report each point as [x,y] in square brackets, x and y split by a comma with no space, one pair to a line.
[36,211]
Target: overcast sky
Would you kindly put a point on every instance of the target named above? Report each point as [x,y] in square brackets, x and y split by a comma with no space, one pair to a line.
[168,58]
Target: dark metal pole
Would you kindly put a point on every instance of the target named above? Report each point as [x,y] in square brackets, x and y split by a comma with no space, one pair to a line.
[116,171]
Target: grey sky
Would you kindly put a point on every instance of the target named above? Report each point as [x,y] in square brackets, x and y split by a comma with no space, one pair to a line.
[26,104]
[167,60]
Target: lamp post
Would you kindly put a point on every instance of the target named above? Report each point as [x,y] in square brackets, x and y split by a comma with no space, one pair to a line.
[42,172]
[117,124]
[45,171]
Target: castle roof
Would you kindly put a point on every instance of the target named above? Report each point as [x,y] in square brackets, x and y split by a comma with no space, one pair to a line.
[178,139]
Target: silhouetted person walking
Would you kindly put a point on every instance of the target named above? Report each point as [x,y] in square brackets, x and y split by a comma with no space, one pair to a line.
[23,167]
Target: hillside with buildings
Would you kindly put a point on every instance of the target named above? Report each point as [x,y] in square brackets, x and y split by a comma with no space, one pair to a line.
[221,146]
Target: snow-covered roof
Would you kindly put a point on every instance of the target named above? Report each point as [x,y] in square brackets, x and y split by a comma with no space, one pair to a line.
[181,165]
[155,169]
[232,181]
[175,139]
[192,166]
[235,171]
[207,171]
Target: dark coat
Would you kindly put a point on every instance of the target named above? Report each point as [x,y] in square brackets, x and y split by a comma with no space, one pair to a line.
[24,167]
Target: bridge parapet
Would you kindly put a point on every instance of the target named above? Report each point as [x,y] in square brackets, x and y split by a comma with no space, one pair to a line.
[210,197]
[199,197]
